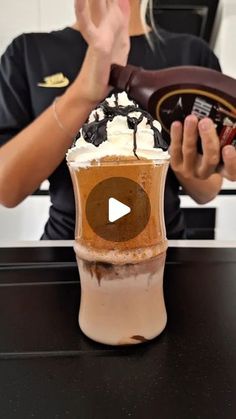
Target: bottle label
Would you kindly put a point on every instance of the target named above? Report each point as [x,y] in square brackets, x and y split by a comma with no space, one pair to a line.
[177,104]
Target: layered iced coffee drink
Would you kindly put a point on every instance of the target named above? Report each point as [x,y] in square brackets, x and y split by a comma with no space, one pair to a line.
[118,166]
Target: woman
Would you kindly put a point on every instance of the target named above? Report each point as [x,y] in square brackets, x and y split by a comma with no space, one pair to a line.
[40,134]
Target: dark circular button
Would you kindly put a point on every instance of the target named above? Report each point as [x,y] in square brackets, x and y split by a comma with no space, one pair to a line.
[126,192]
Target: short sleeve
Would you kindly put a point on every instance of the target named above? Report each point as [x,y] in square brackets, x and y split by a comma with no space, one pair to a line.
[208,58]
[15,104]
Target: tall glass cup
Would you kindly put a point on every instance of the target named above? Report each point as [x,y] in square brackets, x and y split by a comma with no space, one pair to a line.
[121,257]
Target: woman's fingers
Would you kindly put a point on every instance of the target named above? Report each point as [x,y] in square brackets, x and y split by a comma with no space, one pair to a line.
[211,148]
[229,159]
[183,147]
[83,15]
[117,20]
[125,9]
[175,149]
[105,28]
[80,6]
[118,11]
[101,9]
[190,145]
[185,158]
[102,19]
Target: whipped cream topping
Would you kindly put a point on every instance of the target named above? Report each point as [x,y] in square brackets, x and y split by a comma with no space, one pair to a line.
[118,127]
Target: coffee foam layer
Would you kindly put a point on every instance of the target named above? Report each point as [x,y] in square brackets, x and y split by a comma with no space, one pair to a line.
[109,271]
[119,257]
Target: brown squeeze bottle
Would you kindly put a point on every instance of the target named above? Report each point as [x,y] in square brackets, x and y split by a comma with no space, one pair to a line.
[172,94]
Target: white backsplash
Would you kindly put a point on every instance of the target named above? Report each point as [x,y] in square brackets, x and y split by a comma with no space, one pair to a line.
[18,16]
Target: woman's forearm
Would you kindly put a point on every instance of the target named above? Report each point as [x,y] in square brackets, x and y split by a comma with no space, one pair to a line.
[202,191]
[33,154]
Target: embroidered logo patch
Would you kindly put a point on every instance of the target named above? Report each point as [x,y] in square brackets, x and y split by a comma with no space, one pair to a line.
[55,80]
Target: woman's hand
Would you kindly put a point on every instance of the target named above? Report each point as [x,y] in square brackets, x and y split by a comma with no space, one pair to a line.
[108,43]
[196,172]
[185,158]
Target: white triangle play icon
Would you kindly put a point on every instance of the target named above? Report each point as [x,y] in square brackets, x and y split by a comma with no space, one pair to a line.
[116,209]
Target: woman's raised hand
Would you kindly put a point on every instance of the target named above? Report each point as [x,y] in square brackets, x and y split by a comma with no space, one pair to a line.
[108,43]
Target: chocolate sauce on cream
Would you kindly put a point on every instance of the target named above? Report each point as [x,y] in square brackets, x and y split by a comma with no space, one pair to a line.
[95,132]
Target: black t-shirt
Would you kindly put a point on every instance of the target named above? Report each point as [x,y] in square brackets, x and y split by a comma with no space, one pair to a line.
[32,57]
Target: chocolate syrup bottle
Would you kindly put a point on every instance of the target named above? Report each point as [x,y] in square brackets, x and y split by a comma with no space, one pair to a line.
[172,94]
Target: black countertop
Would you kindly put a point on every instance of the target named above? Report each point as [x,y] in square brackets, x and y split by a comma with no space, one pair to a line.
[49,369]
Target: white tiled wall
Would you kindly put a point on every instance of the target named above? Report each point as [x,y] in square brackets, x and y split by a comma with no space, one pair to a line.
[225,42]
[26,221]
[56,13]
[225,228]
[19,16]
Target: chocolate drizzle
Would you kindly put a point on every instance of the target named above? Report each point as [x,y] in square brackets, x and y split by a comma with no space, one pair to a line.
[133,124]
[96,132]
[99,270]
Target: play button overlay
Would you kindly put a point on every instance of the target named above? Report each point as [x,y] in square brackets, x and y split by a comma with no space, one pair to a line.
[118,209]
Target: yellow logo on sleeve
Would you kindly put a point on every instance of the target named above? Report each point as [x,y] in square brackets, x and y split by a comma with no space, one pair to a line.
[55,80]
